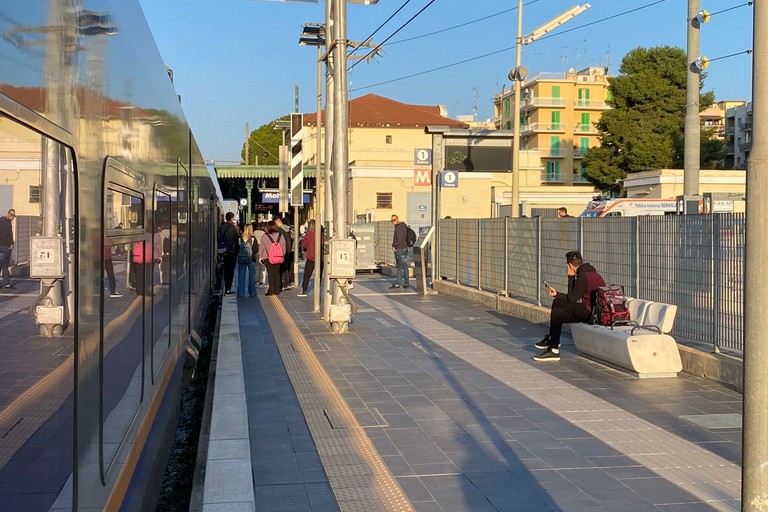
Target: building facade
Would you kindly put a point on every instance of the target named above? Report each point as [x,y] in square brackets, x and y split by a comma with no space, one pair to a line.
[738,135]
[558,120]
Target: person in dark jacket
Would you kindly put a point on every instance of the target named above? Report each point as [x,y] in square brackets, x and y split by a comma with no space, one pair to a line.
[231,234]
[573,306]
[400,248]
[6,247]
[308,243]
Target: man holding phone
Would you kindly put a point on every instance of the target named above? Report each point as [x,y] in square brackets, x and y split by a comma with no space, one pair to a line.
[575,305]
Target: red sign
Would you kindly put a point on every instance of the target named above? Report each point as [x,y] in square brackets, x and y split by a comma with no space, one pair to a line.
[422,177]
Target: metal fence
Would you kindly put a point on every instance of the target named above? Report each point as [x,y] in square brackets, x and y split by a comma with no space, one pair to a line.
[695,262]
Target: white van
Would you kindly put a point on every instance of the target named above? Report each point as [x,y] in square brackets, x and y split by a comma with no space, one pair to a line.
[629,207]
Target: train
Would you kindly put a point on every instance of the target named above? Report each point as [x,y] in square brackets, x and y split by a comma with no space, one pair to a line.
[114,256]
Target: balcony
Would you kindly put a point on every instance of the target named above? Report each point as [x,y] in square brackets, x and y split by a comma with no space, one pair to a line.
[578,179]
[544,128]
[552,177]
[585,128]
[579,152]
[536,102]
[745,126]
[745,146]
[590,104]
[553,152]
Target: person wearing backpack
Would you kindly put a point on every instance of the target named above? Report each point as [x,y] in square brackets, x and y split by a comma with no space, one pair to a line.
[227,242]
[272,248]
[573,306]
[400,248]
[246,268]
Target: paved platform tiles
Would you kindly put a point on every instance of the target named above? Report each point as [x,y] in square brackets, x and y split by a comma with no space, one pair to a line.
[464,420]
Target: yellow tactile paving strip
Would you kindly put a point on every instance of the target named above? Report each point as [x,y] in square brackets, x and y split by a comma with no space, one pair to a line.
[357,474]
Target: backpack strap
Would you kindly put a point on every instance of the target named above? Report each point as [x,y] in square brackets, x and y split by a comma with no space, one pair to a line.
[270,238]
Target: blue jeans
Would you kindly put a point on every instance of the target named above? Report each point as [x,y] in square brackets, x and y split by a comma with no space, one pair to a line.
[242,270]
[401,265]
[5,260]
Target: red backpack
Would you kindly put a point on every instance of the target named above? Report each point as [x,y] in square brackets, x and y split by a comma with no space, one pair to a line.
[610,306]
[275,252]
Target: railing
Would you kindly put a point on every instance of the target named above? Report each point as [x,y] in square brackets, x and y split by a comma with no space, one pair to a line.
[745,146]
[543,127]
[552,177]
[585,128]
[579,178]
[553,152]
[579,152]
[581,103]
[538,101]
[693,261]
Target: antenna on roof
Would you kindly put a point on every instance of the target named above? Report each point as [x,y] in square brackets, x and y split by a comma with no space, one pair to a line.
[474,103]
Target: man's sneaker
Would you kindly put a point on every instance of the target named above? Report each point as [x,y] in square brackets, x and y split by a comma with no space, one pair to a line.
[394,286]
[543,344]
[406,286]
[115,295]
[302,294]
[10,287]
[551,354]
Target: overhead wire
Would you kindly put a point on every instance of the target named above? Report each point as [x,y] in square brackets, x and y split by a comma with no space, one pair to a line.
[439,68]
[379,28]
[391,36]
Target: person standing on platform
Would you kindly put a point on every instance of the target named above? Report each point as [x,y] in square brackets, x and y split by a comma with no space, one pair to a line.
[110,270]
[229,236]
[573,306]
[286,269]
[261,271]
[6,247]
[273,235]
[562,212]
[246,268]
[308,243]
[400,248]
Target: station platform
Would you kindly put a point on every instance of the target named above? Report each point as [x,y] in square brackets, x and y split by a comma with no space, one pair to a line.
[432,403]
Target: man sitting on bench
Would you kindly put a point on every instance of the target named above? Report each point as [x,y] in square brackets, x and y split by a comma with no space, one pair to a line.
[570,307]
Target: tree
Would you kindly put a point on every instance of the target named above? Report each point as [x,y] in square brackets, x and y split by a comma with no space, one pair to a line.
[647,118]
[264,145]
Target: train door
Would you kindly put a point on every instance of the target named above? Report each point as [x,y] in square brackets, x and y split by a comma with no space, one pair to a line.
[37,351]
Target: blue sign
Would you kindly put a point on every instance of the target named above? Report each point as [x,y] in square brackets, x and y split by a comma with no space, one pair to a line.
[422,156]
[449,179]
[274,197]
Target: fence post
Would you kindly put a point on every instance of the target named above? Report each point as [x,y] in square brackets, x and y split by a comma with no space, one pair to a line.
[479,255]
[581,235]
[539,277]
[714,233]
[636,270]
[456,243]
[506,256]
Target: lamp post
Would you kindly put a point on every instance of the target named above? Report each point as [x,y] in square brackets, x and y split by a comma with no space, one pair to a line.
[518,75]
[313,34]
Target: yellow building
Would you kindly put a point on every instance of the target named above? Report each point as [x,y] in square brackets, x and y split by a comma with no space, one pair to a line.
[386,178]
[558,116]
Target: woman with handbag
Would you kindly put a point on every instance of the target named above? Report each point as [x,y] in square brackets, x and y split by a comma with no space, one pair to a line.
[246,268]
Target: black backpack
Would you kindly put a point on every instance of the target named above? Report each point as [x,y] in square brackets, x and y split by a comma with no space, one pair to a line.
[411,236]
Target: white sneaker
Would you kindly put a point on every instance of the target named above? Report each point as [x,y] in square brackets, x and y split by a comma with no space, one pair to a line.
[115,295]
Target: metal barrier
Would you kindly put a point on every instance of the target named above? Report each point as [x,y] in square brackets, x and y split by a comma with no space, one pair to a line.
[695,262]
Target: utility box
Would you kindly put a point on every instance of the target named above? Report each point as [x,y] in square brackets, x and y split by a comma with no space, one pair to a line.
[341,259]
[46,257]
[366,246]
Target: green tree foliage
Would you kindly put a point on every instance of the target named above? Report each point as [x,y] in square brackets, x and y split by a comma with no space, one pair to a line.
[264,143]
[641,130]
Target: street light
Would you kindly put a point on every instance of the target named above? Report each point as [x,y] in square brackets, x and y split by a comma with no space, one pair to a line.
[313,34]
[518,75]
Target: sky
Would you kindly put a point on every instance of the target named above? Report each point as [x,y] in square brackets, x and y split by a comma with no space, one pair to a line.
[238,61]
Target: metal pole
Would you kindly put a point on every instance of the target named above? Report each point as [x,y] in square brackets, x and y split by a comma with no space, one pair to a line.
[318,184]
[247,136]
[515,201]
[755,431]
[340,139]
[330,36]
[692,136]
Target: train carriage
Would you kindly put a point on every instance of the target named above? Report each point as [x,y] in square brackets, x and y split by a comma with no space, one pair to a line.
[113,255]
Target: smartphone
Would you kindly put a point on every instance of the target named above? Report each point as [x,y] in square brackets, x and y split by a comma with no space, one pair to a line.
[546,285]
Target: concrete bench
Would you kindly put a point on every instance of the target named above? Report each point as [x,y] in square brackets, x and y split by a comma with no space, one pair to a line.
[643,351]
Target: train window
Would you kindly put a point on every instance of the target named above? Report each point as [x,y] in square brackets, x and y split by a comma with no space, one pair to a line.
[182,216]
[161,276]
[38,364]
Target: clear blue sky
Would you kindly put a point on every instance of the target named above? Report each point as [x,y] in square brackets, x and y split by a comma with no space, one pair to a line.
[237,61]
